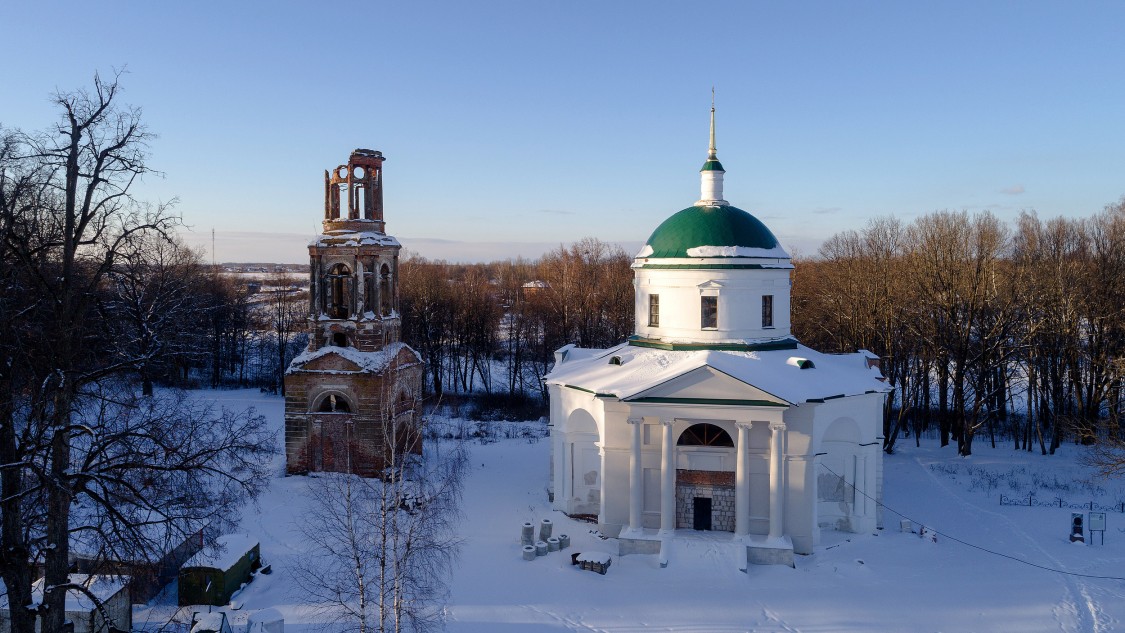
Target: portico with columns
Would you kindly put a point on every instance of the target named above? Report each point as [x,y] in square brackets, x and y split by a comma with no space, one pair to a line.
[712,416]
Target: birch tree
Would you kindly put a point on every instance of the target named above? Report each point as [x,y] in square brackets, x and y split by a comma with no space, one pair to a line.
[381,550]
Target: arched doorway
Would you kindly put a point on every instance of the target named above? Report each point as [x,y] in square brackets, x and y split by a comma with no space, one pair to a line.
[331,446]
[705,478]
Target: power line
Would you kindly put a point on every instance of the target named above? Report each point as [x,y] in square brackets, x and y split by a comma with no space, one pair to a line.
[966,543]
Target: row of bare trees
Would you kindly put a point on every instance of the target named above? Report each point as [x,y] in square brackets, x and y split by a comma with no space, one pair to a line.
[470,322]
[982,327]
[193,325]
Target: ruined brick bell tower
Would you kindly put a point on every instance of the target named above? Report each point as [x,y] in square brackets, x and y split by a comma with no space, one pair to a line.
[349,397]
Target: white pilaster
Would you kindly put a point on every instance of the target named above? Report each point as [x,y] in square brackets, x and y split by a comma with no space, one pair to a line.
[777,490]
[871,460]
[742,482]
[667,480]
[601,482]
[860,485]
[568,470]
[635,493]
[558,470]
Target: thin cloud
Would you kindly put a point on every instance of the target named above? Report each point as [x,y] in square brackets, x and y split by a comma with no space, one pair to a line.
[1014,190]
[555,211]
[826,210]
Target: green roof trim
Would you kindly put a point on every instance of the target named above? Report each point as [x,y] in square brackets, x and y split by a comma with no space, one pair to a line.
[721,225]
[822,400]
[713,401]
[787,343]
[596,394]
[712,165]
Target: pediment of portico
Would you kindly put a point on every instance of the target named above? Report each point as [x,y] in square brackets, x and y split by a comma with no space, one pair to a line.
[706,385]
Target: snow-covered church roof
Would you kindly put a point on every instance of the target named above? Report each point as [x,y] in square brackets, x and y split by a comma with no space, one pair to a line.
[775,377]
[322,360]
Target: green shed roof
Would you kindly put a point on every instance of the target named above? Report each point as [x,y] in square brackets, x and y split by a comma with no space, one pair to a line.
[716,226]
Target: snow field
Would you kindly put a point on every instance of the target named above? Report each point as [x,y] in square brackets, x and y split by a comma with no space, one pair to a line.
[885,581]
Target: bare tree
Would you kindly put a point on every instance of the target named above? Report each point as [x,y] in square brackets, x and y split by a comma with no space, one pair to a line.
[78,451]
[382,549]
[339,575]
[155,300]
[427,307]
[285,315]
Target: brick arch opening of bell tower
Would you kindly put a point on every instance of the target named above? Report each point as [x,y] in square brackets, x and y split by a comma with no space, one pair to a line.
[360,182]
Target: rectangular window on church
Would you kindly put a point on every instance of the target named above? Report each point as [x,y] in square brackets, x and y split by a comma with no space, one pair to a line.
[709,312]
[654,310]
[767,311]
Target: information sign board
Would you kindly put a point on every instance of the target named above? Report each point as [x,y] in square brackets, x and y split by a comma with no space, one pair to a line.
[1097,522]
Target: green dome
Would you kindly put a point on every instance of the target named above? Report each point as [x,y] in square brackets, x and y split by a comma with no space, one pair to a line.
[716,226]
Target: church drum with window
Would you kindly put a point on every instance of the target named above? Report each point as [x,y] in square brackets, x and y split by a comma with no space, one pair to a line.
[712,416]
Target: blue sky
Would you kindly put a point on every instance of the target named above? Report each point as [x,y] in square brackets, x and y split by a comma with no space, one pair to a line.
[511,127]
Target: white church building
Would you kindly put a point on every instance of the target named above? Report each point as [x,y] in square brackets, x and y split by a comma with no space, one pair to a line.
[712,416]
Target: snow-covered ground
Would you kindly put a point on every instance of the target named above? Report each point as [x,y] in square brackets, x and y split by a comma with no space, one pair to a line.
[885,581]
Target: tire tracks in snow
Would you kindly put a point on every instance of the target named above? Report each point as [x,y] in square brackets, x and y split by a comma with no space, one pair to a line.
[569,622]
[1086,611]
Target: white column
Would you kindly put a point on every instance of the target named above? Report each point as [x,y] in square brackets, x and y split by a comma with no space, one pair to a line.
[635,494]
[777,491]
[742,481]
[667,480]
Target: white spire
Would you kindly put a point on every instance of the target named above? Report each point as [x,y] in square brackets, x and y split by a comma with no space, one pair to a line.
[711,176]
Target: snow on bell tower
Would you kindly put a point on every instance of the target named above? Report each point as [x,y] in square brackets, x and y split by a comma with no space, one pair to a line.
[349,398]
[354,264]
[361,181]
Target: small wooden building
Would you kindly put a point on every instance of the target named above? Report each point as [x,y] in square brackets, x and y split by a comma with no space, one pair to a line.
[111,591]
[212,576]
